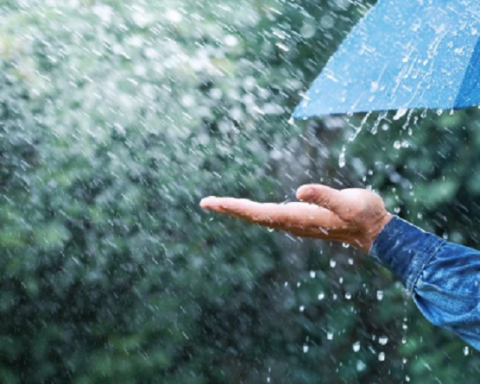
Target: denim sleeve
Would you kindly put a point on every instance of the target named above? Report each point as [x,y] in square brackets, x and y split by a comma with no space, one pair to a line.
[443,278]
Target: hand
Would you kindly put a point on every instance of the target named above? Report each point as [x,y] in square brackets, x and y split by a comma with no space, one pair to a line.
[353,216]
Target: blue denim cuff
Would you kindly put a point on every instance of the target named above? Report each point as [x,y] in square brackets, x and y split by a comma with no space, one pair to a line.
[405,249]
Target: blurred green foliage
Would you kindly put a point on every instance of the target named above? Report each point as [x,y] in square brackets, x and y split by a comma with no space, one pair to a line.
[116,117]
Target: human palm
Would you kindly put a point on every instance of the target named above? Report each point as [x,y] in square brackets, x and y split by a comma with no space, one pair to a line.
[354,216]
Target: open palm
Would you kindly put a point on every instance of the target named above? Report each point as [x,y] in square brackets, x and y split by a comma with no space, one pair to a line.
[354,216]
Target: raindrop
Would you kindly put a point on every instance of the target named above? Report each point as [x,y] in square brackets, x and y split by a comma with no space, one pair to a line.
[283,47]
[348,296]
[360,366]
[381,356]
[305,348]
[466,351]
[333,263]
[379,295]
[400,113]
[321,296]
[230,40]
[383,340]
[356,346]
[302,308]
[341,159]
[346,245]
[330,336]
[312,274]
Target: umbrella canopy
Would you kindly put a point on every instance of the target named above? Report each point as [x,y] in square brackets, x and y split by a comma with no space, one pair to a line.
[403,54]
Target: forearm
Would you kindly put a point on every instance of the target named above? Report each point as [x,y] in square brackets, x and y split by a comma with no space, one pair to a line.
[444,278]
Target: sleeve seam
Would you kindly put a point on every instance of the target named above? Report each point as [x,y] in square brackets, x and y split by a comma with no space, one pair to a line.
[429,259]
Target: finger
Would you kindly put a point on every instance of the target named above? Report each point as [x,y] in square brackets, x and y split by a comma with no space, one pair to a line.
[278,216]
[323,196]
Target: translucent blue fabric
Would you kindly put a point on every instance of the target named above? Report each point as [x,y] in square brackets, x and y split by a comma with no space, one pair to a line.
[444,278]
[401,55]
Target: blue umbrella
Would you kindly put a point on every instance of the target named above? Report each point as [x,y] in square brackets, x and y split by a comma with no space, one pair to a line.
[403,54]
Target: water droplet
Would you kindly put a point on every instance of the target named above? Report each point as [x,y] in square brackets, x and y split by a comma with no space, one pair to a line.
[383,340]
[400,113]
[379,295]
[321,296]
[333,263]
[361,366]
[330,336]
[350,261]
[312,274]
[348,296]
[230,40]
[381,356]
[466,351]
[342,159]
[302,308]
[305,348]
[346,245]
[356,346]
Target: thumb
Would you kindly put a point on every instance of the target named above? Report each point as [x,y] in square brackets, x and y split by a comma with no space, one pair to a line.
[323,196]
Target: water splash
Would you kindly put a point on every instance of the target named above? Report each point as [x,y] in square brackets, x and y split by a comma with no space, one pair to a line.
[343,154]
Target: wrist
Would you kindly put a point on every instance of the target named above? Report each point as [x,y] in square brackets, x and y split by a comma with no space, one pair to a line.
[372,231]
